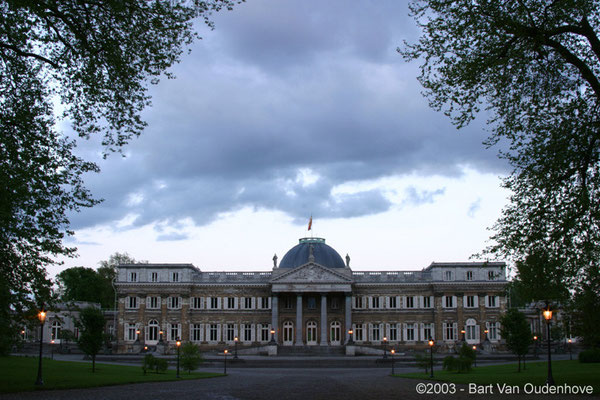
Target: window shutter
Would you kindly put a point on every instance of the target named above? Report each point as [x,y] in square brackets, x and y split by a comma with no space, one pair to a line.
[465,302]
[202,332]
[487,302]
[253,304]
[431,300]
[270,305]
[476,300]
[497,301]
[443,301]
[445,331]
[404,335]
[387,331]
[498,330]
[477,332]
[432,331]
[236,303]
[354,332]
[454,302]
[455,330]
[381,331]
[422,332]
[208,303]
[236,332]
[253,333]
[353,302]
[370,333]
[180,303]
[219,327]
[125,331]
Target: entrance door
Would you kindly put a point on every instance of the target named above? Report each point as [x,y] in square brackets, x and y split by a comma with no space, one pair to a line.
[311,333]
[335,334]
[288,333]
[152,337]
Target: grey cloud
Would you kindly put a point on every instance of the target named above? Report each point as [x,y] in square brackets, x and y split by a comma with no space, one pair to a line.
[174,236]
[417,197]
[474,207]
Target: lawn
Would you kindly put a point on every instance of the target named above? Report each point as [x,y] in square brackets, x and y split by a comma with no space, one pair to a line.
[18,374]
[569,372]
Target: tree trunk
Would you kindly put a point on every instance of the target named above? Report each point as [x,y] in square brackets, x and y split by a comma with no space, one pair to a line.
[94,363]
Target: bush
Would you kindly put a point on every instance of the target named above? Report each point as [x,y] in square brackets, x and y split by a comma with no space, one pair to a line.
[423,362]
[589,356]
[466,351]
[149,363]
[160,365]
[460,364]
[190,356]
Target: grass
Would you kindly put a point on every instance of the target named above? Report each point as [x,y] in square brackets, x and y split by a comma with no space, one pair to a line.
[564,371]
[18,374]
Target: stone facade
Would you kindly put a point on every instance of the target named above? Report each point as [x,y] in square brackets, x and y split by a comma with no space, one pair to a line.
[309,304]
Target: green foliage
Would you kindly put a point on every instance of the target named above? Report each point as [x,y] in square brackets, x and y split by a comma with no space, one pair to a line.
[160,365]
[91,326]
[590,356]
[458,364]
[516,333]
[96,59]
[534,66]
[423,361]
[584,313]
[148,363]
[190,356]
[467,351]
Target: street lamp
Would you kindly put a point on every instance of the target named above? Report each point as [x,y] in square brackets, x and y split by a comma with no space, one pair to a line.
[548,317]
[431,343]
[570,350]
[235,341]
[42,317]
[225,361]
[137,333]
[535,344]
[464,334]
[475,354]
[272,336]
[178,344]
[350,341]
[385,347]
[160,335]
[52,347]
[392,352]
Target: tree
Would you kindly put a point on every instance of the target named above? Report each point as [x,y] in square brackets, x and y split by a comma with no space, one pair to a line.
[190,356]
[91,328]
[97,59]
[534,66]
[516,333]
[107,272]
[79,284]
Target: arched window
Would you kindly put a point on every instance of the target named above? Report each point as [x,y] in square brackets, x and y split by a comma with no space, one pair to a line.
[153,329]
[288,333]
[335,332]
[311,333]
[472,331]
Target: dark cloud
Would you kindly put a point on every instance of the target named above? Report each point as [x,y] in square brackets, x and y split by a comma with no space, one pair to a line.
[277,88]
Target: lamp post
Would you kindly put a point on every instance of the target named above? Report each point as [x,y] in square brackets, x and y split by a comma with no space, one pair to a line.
[385,347]
[160,335]
[548,317]
[392,352]
[475,355]
[235,342]
[535,341]
[225,361]
[570,349]
[431,343]
[178,344]
[137,335]
[272,336]
[42,317]
[464,334]
[52,348]
[350,341]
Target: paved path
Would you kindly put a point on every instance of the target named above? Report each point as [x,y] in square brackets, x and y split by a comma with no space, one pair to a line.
[272,384]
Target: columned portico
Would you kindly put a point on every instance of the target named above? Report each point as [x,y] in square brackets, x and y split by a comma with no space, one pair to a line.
[299,324]
[323,341]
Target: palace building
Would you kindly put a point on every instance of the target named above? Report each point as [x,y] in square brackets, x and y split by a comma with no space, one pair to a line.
[311,298]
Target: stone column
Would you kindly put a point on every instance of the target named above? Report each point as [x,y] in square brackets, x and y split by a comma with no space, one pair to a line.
[275,315]
[323,341]
[348,315]
[299,320]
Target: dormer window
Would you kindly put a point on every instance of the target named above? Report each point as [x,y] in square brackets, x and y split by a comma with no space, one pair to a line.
[491,275]
[448,276]
[469,275]
[133,277]
[174,276]
[154,277]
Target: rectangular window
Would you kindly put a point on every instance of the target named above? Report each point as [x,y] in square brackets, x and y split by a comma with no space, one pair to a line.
[132,302]
[427,302]
[410,302]
[230,331]
[231,303]
[358,301]
[449,302]
[312,303]
[427,331]
[393,303]
[174,303]
[448,276]
[153,302]
[213,330]
[493,331]
[174,276]
[491,275]
[288,303]
[130,332]
[449,331]
[469,275]
[359,335]
[492,301]
[214,303]
[154,277]
[133,277]
[264,303]
[335,303]
[374,302]
[410,332]
[265,334]
[248,303]
[375,333]
[470,302]
[196,334]
[174,332]
[247,333]
[393,332]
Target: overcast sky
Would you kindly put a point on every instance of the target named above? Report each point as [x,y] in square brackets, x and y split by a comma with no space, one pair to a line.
[290,109]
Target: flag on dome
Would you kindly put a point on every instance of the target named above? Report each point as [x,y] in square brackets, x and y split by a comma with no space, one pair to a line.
[310,223]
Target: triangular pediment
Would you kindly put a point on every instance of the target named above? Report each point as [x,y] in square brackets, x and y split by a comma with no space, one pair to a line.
[311,273]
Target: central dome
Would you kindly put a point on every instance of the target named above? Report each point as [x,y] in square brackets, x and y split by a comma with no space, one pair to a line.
[324,255]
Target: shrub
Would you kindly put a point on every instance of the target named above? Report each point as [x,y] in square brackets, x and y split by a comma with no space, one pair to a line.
[149,363]
[589,356]
[160,364]
[423,362]
[466,351]
[460,364]
[190,356]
